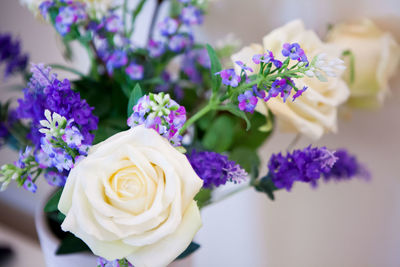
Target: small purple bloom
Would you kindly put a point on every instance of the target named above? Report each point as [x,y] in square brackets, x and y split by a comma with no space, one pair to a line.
[280,86]
[113,23]
[117,59]
[55,178]
[294,52]
[44,8]
[135,71]
[247,101]
[168,26]
[215,169]
[156,48]
[179,42]
[299,92]
[229,77]
[29,185]
[243,66]
[191,15]
[267,58]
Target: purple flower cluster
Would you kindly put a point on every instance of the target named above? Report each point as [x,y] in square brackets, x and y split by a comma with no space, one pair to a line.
[267,58]
[159,112]
[70,13]
[229,77]
[101,262]
[216,169]
[11,56]
[293,51]
[45,91]
[191,62]
[306,165]
[175,34]
[346,167]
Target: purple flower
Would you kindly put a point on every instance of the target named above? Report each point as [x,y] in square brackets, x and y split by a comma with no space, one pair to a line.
[45,91]
[135,71]
[306,165]
[113,23]
[11,56]
[117,59]
[247,101]
[179,42]
[346,167]
[29,185]
[191,15]
[215,169]
[168,26]
[55,178]
[243,66]
[159,112]
[156,48]
[294,52]
[280,86]
[299,92]
[101,262]
[68,16]
[44,8]
[229,77]
[267,58]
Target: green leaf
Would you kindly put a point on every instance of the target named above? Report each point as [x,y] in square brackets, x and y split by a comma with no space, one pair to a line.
[352,69]
[265,185]
[246,157]
[189,250]
[253,138]
[219,136]
[203,197]
[215,67]
[136,94]
[71,244]
[237,112]
[52,204]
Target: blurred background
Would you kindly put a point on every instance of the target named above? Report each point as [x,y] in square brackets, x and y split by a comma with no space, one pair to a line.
[349,224]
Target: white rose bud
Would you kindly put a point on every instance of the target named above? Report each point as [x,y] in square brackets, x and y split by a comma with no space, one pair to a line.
[132,197]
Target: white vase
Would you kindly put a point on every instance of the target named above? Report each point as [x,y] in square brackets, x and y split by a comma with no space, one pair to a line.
[49,244]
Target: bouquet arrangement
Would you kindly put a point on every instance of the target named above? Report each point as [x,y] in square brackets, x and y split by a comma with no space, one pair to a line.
[142,141]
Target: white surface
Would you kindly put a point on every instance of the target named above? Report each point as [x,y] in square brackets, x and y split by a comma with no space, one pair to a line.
[348,225]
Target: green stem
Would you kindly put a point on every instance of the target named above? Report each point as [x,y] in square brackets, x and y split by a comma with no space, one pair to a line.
[69,69]
[124,11]
[210,106]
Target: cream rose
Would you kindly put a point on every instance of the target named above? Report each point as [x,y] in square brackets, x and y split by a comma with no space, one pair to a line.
[132,197]
[315,112]
[376,56]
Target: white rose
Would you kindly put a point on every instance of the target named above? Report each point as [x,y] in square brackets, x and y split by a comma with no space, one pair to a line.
[315,112]
[132,197]
[377,58]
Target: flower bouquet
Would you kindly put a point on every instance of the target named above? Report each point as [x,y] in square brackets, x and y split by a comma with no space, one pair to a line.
[142,141]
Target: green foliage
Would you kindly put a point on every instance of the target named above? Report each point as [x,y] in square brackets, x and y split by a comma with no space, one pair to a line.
[71,244]
[203,197]
[215,67]
[189,250]
[246,157]
[265,185]
[52,204]
[220,135]
[134,97]
[253,138]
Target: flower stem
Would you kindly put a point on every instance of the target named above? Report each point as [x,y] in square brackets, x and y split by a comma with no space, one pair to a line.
[69,69]
[210,106]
